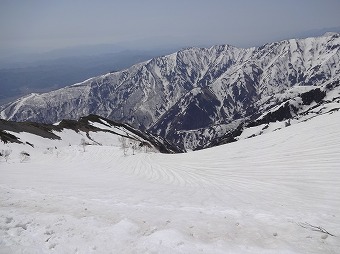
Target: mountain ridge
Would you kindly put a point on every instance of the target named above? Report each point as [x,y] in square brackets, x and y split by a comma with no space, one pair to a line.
[87,128]
[191,89]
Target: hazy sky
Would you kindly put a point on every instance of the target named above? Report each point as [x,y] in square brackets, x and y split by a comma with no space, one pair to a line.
[40,25]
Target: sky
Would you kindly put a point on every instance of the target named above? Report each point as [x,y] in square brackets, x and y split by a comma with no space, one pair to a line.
[40,25]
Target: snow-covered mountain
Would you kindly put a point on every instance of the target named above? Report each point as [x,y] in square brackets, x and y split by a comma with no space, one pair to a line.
[87,131]
[197,95]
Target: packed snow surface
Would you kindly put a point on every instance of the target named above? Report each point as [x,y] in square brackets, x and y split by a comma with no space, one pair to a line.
[275,193]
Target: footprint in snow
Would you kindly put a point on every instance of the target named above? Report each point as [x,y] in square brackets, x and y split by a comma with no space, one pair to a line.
[8,220]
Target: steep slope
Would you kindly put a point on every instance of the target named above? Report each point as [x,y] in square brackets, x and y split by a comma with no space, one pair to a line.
[221,85]
[90,130]
[275,193]
[297,104]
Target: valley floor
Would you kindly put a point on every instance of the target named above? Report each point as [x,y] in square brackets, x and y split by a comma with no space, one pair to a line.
[275,193]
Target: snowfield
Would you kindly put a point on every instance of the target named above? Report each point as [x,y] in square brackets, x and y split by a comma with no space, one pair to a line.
[275,193]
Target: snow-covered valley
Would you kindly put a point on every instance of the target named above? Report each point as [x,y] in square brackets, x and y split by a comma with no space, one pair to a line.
[275,193]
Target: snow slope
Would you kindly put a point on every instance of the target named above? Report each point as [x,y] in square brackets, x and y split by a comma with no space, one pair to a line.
[258,195]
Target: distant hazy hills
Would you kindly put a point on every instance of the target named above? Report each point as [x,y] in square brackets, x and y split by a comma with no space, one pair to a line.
[61,68]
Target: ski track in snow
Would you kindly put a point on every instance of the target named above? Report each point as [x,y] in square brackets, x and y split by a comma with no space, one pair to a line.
[251,196]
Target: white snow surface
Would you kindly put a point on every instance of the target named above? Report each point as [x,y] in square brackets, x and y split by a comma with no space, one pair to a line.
[258,195]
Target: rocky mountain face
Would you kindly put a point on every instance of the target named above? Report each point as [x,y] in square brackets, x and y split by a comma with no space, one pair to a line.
[195,96]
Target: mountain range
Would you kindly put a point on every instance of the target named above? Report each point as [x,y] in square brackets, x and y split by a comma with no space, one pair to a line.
[200,97]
